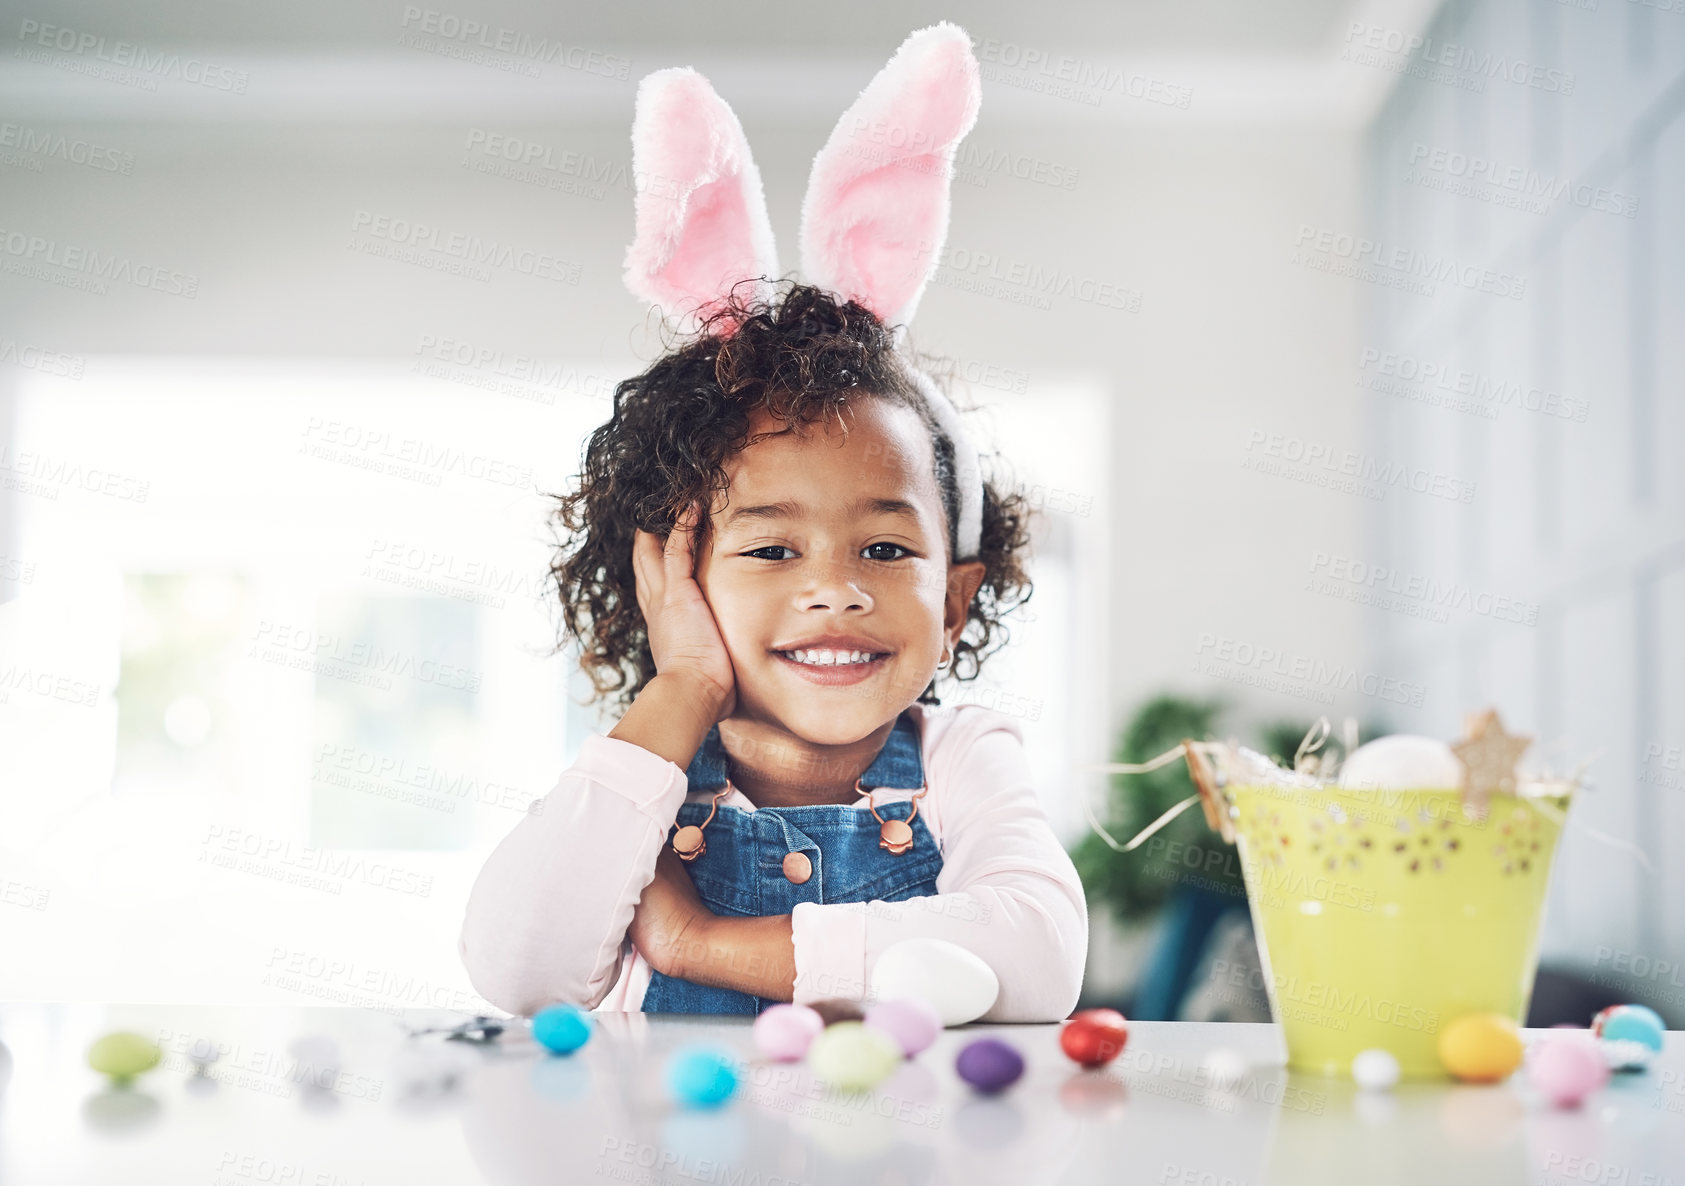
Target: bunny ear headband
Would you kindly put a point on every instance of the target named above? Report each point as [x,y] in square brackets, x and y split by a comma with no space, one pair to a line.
[873,220]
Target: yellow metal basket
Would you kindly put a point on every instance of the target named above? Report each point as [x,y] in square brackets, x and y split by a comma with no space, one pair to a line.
[1381,916]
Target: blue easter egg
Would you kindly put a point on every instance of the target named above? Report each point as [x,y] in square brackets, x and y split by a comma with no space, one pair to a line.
[1630,1023]
[561,1029]
[701,1076]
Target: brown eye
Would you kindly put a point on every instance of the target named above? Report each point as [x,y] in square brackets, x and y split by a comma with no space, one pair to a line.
[869,547]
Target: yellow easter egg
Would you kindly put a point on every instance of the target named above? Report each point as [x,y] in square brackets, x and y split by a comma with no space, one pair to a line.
[1481,1047]
[853,1056]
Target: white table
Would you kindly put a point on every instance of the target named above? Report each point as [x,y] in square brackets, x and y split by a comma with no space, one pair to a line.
[523,1116]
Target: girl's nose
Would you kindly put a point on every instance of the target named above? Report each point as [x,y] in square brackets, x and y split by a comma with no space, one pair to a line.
[834,587]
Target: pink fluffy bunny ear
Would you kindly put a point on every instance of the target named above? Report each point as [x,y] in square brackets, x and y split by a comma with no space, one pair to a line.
[876,210]
[702,224]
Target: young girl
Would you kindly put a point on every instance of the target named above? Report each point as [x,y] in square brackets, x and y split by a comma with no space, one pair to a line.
[780,540]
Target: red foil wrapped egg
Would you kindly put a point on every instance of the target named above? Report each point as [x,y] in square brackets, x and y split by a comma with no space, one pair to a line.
[1093,1037]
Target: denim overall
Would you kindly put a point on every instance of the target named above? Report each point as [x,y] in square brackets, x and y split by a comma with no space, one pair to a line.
[742,874]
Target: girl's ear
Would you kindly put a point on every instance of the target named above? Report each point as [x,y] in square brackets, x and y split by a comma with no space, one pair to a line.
[964,580]
[876,210]
[702,224]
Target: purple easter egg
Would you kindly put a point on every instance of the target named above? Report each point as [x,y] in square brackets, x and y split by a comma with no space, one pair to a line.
[989,1064]
[784,1032]
[912,1022]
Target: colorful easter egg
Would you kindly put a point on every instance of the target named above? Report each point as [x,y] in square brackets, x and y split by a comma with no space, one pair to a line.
[123,1055]
[561,1029]
[989,1064]
[701,1076]
[1375,1070]
[1481,1047]
[1402,762]
[912,1022]
[956,981]
[853,1055]
[834,1009]
[1567,1067]
[783,1032]
[1093,1037]
[1630,1035]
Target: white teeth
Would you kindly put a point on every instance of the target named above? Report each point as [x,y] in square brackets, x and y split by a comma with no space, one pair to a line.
[814,658]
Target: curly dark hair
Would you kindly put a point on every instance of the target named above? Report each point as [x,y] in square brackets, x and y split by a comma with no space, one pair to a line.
[802,355]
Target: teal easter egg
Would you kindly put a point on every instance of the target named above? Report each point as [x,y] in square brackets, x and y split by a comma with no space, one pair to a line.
[561,1029]
[701,1076]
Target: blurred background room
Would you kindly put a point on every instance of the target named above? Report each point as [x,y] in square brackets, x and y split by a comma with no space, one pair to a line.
[1336,341]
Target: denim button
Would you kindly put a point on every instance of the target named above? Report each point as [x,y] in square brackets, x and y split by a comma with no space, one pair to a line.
[797,868]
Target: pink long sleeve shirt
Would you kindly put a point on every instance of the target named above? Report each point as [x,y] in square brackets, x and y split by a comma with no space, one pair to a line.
[547,918]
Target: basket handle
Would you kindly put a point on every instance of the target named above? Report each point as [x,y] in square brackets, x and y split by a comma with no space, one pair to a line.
[1208,795]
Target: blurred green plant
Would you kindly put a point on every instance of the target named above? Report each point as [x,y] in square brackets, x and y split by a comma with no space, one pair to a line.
[1135,884]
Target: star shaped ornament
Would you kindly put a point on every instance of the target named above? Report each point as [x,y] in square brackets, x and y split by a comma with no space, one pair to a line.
[1488,755]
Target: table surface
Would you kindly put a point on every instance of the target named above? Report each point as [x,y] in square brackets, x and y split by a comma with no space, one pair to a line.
[520,1115]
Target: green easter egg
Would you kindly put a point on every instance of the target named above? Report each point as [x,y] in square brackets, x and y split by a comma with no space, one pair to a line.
[852,1055]
[123,1055]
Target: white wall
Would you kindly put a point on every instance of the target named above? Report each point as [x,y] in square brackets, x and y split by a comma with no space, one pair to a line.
[1579,515]
[1230,338]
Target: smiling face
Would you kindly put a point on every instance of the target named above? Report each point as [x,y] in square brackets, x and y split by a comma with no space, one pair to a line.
[834,530]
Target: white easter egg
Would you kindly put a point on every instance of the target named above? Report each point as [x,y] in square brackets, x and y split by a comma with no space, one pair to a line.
[957,983]
[1402,762]
[1375,1070]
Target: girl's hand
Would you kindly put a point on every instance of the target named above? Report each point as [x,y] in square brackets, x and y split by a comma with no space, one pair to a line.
[670,923]
[684,638]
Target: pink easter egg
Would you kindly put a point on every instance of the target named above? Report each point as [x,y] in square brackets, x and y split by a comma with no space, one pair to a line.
[1567,1067]
[913,1023]
[783,1032]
